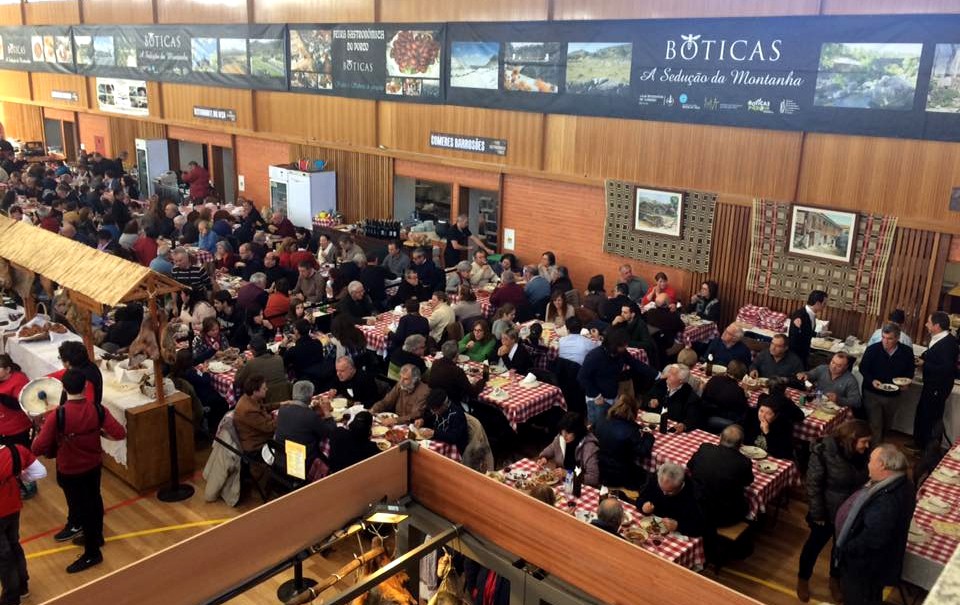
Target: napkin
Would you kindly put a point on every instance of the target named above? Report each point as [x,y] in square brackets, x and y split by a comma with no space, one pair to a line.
[529,379]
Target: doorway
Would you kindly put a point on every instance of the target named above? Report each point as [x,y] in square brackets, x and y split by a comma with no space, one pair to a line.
[483,210]
[224,173]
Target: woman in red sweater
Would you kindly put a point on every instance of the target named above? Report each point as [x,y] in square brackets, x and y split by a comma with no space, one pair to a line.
[15,425]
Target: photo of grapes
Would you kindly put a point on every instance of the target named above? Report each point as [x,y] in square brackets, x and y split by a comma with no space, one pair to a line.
[868,75]
[414,53]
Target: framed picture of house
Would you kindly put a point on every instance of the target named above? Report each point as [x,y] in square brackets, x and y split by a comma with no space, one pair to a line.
[820,233]
[658,211]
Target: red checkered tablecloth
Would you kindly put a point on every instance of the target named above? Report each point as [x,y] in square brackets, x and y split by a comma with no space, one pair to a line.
[326,222]
[223,382]
[762,317]
[202,256]
[676,548]
[680,447]
[812,428]
[936,547]
[701,332]
[378,335]
[523,403]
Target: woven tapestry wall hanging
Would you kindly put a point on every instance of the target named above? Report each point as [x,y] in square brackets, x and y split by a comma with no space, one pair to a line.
[856,285]
[662,227]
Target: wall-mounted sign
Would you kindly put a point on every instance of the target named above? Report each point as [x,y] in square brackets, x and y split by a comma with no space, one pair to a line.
[64,95]
[117,95]
[458,142]
[242,56]
[374,61]
[212,113]
[36,49]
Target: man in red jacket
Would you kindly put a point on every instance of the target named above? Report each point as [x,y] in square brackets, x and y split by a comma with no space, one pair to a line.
[198,178]
[15,460]
[71,434]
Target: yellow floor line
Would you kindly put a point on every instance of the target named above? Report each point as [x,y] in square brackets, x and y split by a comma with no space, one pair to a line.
[783,589]
[134,534]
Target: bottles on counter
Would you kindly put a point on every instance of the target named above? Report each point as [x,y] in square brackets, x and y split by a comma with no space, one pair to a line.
[381,229]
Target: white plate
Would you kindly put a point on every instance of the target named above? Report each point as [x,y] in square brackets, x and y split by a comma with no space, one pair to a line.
[339,403]
[768,466]
[753,452]
[902,381]
[379,431]
[889,388]
[529,385]
[916,535]
[386,416]
[650,418]
[462,359]
[217,367]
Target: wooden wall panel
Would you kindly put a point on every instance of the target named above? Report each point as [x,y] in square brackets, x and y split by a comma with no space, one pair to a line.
[336,120]
[657,9]
[59,12]
[568,220]
[114,11]
[364,181]
[23,122]
[11,14]
[203,137]
[202,11]
[879,7]
[253,157]
[125,131]
[43,85]
[15,85]
[90,127]
[906,178]
[407,127]
[51,113]
[314,11]
[712,158]
[463,10]
[180,99]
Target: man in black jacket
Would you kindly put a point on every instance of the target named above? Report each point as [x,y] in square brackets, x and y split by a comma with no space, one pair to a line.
[374,277]
[299,423]
[872,527]
[672,395]
[668,496]
[354,384]
[356,304]
[939,363]
[881,363]
[803,324]
[446,419]
[720,473]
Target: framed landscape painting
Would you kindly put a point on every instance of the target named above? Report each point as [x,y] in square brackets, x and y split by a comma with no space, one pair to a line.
[826,234]
[658,211]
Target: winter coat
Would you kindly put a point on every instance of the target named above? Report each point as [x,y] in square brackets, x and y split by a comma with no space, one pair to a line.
[832,476]
[587,457]
[222,471]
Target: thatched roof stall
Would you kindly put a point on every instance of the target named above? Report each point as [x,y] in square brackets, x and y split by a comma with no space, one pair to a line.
[92,279]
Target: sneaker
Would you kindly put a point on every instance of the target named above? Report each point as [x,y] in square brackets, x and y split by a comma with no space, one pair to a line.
[84,562]
[25,592]
[68,533]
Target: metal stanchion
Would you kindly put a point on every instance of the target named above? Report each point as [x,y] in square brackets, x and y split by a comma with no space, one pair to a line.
[298,584]
[176,491]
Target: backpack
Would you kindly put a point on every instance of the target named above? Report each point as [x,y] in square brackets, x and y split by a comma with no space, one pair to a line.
[62,423]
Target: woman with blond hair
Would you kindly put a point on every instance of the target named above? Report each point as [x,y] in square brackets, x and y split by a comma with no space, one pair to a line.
[624,446]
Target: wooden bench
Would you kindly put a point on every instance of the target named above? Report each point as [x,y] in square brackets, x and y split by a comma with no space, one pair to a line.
[733,532]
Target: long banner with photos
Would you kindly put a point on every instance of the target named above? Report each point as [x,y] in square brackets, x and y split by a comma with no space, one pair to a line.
[876,75]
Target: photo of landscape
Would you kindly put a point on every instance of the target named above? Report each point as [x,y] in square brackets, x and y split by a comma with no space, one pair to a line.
[599,68]
[475,65]
[868,75]
[126,52]
[944,95]
[233,56]
[534,52]
[204,54]
[658,211]
[103,50]
[266,58]
[84,49]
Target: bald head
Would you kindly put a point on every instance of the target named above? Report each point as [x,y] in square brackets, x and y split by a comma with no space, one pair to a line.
[732,436]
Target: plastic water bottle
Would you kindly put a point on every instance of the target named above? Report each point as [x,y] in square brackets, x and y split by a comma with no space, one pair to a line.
[568,483]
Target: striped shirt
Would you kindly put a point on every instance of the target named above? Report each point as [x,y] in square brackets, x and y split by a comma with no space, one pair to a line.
[195,278]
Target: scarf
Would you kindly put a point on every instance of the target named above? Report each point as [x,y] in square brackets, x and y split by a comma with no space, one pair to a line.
[861,499]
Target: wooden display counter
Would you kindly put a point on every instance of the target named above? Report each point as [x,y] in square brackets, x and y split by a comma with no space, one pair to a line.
[148,454]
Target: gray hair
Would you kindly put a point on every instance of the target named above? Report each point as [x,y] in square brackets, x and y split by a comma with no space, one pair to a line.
[463,267]
[354,286]
[303,390]
[410,273]
[530,270]
[508,277]
[681,369]
[892,458]
[347,359]
[450,349]
[732,436]
[550,272]
[737,330]
[414,370]
[891,328]
[178,251]
[672,472]
[610,512]
[414,342]
[259,278]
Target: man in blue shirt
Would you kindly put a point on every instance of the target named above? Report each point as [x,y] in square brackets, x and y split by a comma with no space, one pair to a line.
[729,346]
[575,346]
[537,289]
[162,264]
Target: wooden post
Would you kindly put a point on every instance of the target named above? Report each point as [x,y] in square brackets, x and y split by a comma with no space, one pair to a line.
[85,309]
[157,371]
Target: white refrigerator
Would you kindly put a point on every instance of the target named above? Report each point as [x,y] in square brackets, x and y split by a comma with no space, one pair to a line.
[302,195]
